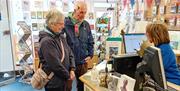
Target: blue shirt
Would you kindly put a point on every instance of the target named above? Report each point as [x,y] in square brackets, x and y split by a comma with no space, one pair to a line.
[172,72]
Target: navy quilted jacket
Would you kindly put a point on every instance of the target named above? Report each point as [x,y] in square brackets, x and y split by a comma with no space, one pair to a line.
[82,46]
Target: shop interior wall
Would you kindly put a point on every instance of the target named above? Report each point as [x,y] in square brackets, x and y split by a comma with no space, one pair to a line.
[6,58]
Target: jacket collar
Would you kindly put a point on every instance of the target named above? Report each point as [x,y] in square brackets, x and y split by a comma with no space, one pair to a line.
[69,21]
[53,34]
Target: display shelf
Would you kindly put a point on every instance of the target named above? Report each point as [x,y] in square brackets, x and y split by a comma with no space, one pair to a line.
[174,28]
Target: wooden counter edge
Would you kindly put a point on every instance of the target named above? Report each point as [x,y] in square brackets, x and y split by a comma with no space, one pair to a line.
[86,83]
[173,86]
[89,84]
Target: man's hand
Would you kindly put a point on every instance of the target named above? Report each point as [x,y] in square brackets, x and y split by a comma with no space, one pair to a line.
[87,58]
[72,75]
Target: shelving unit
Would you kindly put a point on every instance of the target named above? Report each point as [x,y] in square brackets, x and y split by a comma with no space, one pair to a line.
[102,30]
[174,26]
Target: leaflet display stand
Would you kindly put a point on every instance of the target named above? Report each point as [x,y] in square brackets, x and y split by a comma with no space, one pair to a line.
[25,50]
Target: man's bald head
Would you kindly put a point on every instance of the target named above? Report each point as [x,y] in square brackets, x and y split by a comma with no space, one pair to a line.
[80,5]
[80,9]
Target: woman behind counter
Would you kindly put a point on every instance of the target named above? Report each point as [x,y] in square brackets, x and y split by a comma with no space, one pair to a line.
[158,34]
[54,48]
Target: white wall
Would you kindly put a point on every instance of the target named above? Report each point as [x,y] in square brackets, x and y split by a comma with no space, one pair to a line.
[6,60]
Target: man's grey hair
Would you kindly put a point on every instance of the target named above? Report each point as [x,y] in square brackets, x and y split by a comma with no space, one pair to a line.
[80,4]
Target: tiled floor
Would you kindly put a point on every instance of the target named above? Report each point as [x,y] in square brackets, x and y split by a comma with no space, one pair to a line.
[18,86]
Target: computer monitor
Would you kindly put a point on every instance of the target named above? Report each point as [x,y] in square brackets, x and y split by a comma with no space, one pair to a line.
[152,57]
[126,64]
[133,41]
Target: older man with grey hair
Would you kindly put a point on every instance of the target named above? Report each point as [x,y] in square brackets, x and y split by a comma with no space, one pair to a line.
[79,38]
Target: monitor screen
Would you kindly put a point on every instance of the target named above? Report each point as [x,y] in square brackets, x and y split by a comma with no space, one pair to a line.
[132,42]
[126,64]
[152,56]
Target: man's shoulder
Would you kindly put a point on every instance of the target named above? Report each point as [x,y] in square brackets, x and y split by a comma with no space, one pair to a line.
[67,19]
[85,22]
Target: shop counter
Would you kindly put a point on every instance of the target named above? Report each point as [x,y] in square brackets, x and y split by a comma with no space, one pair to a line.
[174,86]
[90,85]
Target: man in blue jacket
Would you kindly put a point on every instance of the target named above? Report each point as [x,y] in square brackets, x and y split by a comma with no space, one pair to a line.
[79,38]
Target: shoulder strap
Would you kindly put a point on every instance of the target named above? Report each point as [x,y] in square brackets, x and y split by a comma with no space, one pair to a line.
[50,75]
[62,48]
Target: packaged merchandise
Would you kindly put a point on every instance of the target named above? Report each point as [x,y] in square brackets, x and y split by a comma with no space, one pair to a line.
[178,21]
[94,73]
[172,21]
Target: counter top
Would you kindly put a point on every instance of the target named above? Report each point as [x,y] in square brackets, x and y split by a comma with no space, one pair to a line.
[177,52]
[173,86]
[86,79]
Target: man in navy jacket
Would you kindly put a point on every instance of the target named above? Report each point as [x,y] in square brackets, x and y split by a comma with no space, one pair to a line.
[79,38]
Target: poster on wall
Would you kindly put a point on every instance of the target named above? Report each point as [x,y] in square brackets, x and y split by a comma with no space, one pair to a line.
[90,15]
[179,9]
[33,15]
[40,26]
[44,14]
[39,14]
[173,8]
[65,7]
[26,5]
[154,11]
[113,51]
[34,27]
[27,17]
[52,3]
[0,12]
[38,4]
[161,10]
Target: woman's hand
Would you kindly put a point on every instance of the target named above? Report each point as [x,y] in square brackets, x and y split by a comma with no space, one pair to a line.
[72,75]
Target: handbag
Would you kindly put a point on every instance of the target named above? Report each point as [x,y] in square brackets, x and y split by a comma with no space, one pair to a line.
[40,78]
